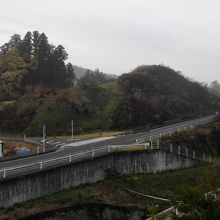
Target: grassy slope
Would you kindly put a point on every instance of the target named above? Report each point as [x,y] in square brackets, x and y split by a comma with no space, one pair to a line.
[112,191]
[89,108]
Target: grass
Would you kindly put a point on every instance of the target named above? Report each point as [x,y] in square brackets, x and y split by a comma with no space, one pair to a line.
[7,103]
[96,134]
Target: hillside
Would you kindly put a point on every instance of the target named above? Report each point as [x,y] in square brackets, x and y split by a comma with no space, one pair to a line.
[80,72]
[37,87]
[153,94]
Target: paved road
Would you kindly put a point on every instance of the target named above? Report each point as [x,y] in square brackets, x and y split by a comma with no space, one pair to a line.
[73,148]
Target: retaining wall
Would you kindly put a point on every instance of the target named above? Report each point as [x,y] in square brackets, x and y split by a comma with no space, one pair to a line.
[35,185]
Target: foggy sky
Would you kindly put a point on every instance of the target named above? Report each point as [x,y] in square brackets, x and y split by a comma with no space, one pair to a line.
[118,35]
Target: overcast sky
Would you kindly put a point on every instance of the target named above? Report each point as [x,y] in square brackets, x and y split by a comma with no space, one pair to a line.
[118,35]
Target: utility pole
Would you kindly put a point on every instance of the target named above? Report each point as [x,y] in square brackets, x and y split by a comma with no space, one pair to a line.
[72,128]
[44,135]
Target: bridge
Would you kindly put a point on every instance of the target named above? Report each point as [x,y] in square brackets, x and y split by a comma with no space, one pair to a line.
[74,164]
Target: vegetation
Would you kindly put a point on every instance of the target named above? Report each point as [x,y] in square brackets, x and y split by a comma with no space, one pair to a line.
[214,88]
[113,191]
[154,94]
[37,87]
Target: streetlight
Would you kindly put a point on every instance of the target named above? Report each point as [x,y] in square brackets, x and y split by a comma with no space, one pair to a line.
[44,136]
[72,128]
[1,148]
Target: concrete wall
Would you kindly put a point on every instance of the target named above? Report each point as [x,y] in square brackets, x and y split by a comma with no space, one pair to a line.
[35,185]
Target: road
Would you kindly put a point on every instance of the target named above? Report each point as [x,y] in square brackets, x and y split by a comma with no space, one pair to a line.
[80,147]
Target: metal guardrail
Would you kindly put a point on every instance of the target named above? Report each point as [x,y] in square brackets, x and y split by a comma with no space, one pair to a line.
[52,163]
[148,142]
[174,129]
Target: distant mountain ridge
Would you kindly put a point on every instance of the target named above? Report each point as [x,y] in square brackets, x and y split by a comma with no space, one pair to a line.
[80,72]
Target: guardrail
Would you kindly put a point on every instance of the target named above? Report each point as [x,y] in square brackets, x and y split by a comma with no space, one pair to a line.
[56,162]
[174,129]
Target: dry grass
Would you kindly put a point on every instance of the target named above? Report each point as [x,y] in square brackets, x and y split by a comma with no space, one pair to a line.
[92,135]
[11,146]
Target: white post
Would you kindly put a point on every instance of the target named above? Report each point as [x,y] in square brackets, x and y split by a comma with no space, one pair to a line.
[24,137]
[137,141]
[179,150]
[1,148]
[145,146]
[44,135]
[4,173]
[72,128]
[109,149]
[178,130]
[171,148]
[93,153]
[38,150]
[70,158]
[41,165]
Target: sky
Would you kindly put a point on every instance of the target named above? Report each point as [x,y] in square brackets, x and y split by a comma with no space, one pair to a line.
[118,35]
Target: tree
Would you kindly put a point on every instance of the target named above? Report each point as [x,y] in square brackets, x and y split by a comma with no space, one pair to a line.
[26,47]
[70,70]
[215,88]
[15,42]
[36,42]
[43,53]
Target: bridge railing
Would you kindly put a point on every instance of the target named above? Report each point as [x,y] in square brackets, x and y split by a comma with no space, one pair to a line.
[105,150]
[170,130]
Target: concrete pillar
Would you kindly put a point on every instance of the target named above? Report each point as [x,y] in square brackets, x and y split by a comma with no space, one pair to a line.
[1,148]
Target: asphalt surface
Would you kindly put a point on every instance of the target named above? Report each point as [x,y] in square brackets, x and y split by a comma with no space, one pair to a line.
[71,149]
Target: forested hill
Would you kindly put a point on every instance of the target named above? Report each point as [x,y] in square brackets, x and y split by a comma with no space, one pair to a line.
[32,61]
[38,86]
[157,93]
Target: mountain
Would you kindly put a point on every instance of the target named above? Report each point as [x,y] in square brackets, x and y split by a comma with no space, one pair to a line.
[37,86]
[153,94]
[148,95]
[80,72]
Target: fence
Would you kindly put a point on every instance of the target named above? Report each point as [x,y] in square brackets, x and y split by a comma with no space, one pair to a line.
[173,129]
